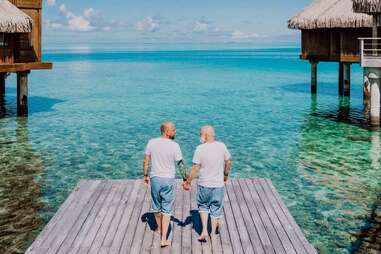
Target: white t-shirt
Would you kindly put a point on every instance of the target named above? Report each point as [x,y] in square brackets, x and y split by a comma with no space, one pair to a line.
[164,154]
[211,157]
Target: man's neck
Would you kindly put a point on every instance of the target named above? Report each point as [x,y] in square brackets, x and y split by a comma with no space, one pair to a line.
[164,136]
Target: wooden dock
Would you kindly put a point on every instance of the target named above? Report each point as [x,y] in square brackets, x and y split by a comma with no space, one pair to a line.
[113,216]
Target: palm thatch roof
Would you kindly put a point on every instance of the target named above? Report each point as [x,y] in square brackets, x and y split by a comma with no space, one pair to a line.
[13,20]
[329,14]
[367,6]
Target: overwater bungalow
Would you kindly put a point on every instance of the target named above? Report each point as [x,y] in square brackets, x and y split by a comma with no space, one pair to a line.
[20,45]
[329,33]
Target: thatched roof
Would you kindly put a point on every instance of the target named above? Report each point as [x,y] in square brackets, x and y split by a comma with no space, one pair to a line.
[329,14]
[13,20]
[367,6]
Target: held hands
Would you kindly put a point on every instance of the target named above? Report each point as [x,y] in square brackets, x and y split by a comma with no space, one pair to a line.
[186,186]
[146,181]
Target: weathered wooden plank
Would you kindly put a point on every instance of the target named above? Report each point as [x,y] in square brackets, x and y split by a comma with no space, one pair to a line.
[291,219]
[58,215]
[232,226]
[92,233]
[66,245]
[187,228]
[252,231]
[242,230]
[260,218]
[177,229]
[15,67]
[90,219]
[247,201]
[135,219]
[126,217]
[139,232]
[117,220]
[298,245]
[56,237]
[106,223]
[226,243]
[196,223]
[274,219]
[148,235]
[216,245]
[105,217]
[155,244]
[205,246]
[147,243]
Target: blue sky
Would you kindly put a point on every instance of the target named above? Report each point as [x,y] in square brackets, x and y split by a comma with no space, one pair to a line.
[168,20]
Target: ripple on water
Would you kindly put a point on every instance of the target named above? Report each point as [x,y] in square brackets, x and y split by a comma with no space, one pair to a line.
[95,124]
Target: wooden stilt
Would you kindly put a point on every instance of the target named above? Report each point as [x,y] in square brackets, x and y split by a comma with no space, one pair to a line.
[22,92]
[375,103]
[366,89]
[374,78]
[341,79]
[313,77]
[2,83]
[347,79]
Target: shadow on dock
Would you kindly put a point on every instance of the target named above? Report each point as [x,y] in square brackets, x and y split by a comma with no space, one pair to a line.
[193,219]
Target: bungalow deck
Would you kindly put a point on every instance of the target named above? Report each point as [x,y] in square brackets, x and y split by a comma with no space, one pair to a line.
[112,216]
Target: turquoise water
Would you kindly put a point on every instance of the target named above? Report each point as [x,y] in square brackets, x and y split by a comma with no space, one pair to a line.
[92,115]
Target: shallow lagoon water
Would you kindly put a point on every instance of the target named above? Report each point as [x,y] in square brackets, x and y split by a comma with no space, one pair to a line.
[92,115]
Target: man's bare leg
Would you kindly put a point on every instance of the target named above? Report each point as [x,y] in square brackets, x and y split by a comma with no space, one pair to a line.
[215,223]
[204,219]
[164,226]
[158,218]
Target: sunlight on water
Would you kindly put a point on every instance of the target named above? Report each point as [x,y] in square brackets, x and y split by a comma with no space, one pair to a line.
[92,115]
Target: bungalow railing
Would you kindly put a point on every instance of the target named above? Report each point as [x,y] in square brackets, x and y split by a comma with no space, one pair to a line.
[370,51]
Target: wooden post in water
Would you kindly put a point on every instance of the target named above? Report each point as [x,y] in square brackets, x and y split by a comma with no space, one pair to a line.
[347,79]
[313,77]
[22,92]
[375,98]
[2,83]
[341,79]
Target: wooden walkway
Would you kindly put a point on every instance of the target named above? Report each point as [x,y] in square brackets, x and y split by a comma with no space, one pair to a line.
[112,216]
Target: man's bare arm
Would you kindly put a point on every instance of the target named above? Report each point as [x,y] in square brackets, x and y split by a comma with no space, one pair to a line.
[147,158]
[193,173]
[228,164]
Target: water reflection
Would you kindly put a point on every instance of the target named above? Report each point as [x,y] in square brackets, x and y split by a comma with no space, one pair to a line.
[376,148]
[341,163]
[2,106]
[19,187]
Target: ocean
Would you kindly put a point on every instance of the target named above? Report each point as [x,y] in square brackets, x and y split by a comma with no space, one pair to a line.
[92,115]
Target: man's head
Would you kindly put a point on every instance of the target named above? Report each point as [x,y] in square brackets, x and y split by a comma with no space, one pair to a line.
[168,130]
[207,134]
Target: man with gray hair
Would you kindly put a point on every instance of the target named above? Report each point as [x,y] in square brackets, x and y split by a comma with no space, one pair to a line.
[212,160]
[163,152]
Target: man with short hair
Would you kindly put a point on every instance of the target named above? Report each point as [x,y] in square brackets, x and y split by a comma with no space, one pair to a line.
[212,160]
[163,152]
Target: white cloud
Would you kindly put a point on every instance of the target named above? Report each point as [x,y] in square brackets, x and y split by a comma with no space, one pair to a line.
[200,27]
[79,23]
[50,2]
[65,11]
[90,12]
[53,24]
[147,24]
[238,35]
